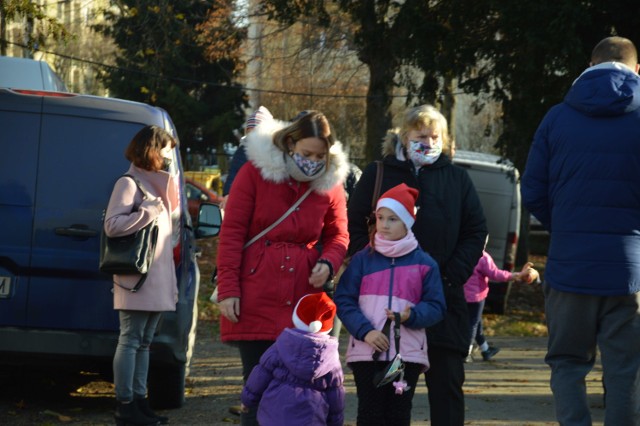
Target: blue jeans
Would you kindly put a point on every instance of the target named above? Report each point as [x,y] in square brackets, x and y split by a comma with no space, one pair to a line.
[475,318]
[578,324]
[131,361]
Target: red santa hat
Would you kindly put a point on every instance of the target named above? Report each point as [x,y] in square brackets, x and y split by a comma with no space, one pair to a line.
[401,200]
[314,313]
[258,116]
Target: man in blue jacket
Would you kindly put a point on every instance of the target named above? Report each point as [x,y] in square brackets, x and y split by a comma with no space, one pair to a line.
[582,181]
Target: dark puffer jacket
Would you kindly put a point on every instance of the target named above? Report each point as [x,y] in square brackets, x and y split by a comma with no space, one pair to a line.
[450,226]
[582,182]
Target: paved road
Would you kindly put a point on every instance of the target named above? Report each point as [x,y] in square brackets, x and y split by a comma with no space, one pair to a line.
[512,389]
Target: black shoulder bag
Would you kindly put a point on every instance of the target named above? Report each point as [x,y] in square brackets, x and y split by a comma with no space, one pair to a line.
[130,254]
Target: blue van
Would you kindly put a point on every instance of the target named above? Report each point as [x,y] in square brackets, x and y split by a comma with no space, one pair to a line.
[62,154]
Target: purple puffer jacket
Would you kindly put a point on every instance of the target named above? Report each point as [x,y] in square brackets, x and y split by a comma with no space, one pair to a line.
[298,382]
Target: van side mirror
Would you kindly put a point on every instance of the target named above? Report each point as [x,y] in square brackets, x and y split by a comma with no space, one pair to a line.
[209,221]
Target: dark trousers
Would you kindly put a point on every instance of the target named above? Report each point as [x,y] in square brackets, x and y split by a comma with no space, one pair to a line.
[444,381]
[381,406]
[475,318]
[250,353]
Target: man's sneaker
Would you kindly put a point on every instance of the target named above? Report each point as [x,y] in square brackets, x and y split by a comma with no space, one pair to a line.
[489,353]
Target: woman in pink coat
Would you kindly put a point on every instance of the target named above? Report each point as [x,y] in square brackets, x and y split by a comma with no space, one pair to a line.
[259,286]
[150,152]
[476,290]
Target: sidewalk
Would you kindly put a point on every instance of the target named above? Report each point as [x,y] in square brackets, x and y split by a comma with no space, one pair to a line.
[512,389]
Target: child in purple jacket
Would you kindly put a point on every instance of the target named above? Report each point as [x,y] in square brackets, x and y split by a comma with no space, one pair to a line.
[299,380]
[476,290]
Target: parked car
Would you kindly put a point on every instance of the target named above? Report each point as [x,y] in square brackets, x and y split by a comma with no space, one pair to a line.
[197,194]
[24,73]
[498,185]
[56,177]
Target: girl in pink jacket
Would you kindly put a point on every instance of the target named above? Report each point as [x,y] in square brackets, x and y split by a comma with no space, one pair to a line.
[476,290]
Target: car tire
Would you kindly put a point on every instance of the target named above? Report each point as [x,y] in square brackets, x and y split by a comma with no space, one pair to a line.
[166,385]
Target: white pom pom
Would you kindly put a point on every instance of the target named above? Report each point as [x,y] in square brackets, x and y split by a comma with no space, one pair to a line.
[315,326]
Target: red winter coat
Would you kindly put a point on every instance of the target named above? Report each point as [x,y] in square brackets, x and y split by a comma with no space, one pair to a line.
[272,274]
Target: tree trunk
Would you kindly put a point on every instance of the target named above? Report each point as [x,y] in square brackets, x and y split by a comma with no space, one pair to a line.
[449,105]
[379,96]
[3,30]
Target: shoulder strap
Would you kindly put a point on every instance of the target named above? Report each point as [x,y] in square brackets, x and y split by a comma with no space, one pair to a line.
[139,184]
[378,185]
[277,222]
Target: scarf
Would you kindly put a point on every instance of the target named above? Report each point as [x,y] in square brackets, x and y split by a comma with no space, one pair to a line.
[396,248]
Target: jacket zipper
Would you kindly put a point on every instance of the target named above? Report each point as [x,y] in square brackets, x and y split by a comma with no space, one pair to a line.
[391,278]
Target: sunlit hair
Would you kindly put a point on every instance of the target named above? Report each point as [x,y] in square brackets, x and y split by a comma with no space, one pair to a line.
[616,49]
[314,124]
[144,149]
[425,116]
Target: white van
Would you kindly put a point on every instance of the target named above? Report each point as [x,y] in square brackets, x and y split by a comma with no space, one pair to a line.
[498,185]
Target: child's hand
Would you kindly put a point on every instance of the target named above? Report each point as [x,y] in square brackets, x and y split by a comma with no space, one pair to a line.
[404,315]
[377,340]
[244,408]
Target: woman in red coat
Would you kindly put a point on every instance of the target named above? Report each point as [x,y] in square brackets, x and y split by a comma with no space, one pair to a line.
[259,286]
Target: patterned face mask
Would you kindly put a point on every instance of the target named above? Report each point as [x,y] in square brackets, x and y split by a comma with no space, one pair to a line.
[308,167]
[423,154]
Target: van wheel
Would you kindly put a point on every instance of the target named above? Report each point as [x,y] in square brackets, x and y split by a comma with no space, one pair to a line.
[167,385]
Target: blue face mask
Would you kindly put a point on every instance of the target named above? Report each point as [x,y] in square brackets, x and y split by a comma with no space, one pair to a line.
[308,167]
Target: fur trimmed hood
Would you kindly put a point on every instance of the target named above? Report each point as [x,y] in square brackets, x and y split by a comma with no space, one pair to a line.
[269,159]
[390,142]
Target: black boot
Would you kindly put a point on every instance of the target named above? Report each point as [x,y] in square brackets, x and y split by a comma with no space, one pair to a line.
[143,405]
[130,415]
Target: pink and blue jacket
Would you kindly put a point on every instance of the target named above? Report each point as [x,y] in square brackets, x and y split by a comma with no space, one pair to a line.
[373,282]
[476,288]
